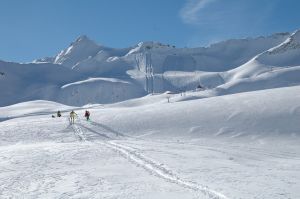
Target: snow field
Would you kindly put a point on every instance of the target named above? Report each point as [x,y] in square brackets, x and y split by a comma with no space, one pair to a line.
[235,146]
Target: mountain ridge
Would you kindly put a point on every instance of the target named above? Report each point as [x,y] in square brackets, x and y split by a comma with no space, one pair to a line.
[236,65]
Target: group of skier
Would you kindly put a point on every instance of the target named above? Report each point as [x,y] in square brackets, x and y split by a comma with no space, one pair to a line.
[73,115]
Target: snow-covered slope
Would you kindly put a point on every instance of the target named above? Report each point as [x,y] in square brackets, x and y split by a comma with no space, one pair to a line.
[23,82]
[38,107]
[236,65]
[215,58]
[285,54]
[99,90]
[244,145]
[273,114]
[242,115]
[275,67]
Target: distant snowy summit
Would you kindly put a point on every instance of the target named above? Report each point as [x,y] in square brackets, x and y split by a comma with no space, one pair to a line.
[222,55]
[232,66]
[79,50]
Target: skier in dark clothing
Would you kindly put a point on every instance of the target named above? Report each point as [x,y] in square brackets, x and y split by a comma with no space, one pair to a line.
[58,114]
[87,115]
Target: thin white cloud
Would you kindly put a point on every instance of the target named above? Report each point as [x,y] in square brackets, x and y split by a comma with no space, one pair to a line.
[190,12]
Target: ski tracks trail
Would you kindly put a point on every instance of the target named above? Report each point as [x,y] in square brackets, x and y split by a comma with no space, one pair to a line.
[161,171]
[78,132]
[151,166]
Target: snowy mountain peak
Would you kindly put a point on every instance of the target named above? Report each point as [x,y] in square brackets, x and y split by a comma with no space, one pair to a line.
[80,49]
[296,36]
[292,43]
[82,38]
[83,41]
[284,54]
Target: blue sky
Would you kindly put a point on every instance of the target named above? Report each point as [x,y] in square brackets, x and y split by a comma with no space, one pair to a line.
[32,29]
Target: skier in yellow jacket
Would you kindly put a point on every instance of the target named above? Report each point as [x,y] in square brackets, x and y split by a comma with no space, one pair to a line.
[72,117]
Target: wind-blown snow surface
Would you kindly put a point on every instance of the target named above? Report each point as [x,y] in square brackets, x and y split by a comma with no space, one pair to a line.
[235,146]
[233,66]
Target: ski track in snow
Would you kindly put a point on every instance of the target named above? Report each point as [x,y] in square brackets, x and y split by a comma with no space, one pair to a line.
[161,171]
[151,166]
[78,132]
